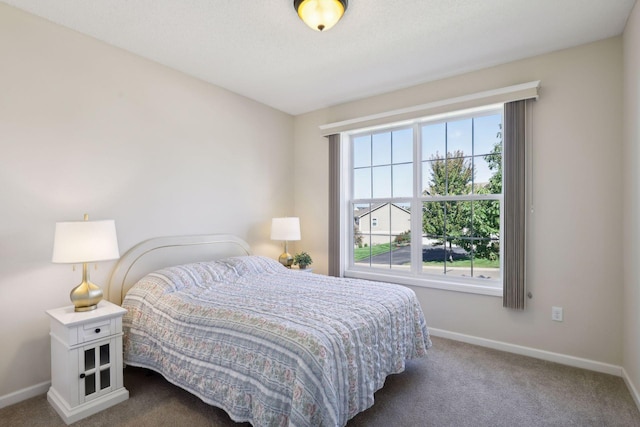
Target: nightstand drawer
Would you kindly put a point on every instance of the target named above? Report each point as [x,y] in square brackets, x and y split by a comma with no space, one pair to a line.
[94,331]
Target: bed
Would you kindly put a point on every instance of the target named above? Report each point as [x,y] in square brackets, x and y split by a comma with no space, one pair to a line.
[269,345]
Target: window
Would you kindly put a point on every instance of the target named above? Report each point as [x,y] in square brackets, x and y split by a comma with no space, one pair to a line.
[449,171]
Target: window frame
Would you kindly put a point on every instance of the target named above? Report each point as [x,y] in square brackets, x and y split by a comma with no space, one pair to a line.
[415,275]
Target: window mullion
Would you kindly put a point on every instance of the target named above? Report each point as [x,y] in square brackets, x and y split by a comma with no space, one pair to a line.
[416,203]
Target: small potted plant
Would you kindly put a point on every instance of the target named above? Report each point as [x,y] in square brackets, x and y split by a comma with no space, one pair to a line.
[303,260]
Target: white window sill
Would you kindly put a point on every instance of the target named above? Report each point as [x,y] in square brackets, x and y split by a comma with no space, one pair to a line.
[427,282]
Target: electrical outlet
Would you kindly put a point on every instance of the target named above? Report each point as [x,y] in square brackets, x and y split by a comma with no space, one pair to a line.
[556,314]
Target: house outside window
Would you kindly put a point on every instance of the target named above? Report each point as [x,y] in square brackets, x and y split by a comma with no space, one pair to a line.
[449,171]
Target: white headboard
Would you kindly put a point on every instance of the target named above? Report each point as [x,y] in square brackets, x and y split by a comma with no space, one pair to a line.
[161,252]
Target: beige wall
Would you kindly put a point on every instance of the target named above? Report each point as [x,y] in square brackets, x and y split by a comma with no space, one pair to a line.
[631,247]
[575,233]
[85,127]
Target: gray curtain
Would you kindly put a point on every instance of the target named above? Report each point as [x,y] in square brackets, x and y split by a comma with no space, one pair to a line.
[514,204]
[335,249]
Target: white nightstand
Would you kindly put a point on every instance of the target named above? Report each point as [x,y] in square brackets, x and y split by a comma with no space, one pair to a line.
[302,270]
[86,360]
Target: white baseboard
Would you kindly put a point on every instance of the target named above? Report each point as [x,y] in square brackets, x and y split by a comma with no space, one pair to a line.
[632,389]
[563,359]
[24,394]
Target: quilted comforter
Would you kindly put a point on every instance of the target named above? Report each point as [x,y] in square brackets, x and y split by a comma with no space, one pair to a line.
[269,345]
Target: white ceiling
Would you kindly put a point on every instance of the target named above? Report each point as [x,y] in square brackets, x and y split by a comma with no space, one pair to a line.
[261,49]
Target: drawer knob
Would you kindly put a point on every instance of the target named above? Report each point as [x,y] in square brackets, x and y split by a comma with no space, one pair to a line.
[97,330]
[82,375]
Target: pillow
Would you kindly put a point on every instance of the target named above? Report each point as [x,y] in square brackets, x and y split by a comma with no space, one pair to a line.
[201,274]
[207,273]
[252,264]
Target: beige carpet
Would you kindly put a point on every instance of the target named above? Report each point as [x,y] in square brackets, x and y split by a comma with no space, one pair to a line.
[456,385]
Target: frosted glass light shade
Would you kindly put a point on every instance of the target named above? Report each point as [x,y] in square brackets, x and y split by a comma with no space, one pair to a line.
[320,15]
[85,241]
[285,228]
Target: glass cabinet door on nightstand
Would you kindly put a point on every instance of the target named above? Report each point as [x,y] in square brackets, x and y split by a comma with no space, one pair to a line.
[96,370]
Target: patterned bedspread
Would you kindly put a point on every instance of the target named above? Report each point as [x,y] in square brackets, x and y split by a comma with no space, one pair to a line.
[269,345]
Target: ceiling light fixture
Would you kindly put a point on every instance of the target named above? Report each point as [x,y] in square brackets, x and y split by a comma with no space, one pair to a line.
[320,14]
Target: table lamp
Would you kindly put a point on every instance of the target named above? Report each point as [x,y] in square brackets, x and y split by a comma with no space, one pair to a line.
[84,242]
[285,229]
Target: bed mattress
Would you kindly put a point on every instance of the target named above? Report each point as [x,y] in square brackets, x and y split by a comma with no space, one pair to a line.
[269,345]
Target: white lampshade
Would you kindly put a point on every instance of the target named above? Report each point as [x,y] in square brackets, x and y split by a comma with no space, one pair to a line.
[285,228]
[85,241]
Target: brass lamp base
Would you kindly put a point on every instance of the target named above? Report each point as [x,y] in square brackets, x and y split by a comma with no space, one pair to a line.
[86,296]
[286,259]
